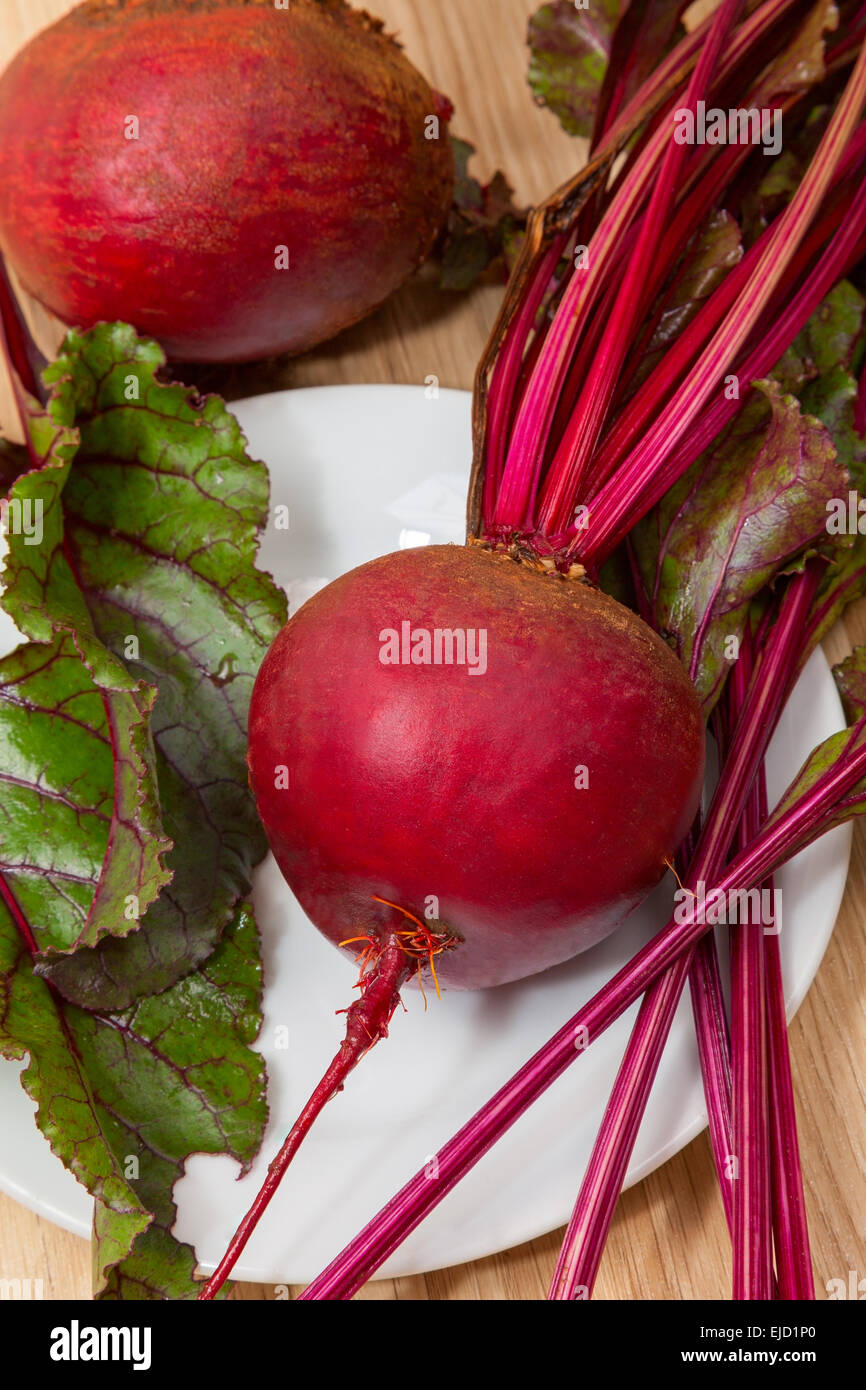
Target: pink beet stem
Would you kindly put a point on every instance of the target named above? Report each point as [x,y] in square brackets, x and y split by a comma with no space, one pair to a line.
[588,1229]
[790,1228]
[638,413]
[750,32]
[367,1020]
[752,1274]
[586,1235]
[573,454]
[714,1053]
[528,435]
[500,399]
[845,248]
[620,503]
[705,984]
[536,411]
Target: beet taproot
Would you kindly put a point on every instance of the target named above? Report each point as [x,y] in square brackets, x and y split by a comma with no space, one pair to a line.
[532,793]
[234,178]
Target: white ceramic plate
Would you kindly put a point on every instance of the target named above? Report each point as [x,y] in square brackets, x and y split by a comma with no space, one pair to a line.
[364,470]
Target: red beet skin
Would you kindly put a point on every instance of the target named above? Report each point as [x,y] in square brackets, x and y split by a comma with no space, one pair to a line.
[421,780]
[258,128]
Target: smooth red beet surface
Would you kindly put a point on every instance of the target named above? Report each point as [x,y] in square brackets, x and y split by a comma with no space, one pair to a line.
[258,128]
[423,783]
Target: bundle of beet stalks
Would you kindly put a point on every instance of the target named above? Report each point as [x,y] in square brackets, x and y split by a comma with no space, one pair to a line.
[668,411]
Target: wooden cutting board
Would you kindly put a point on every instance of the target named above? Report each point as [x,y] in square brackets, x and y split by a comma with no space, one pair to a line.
[669,1239]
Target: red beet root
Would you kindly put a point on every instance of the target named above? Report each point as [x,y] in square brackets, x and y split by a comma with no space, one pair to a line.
[155,155]
[462,787]
[529,792]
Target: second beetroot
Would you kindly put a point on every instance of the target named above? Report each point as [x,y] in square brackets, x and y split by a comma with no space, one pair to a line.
[234,178]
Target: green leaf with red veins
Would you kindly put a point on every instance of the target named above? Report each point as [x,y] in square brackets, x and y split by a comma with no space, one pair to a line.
[178,1076]
[79,848]
[850,676]
[822,367]
[124,1100]
[833,340]
[82,846]
[148,567]
[832,399]
[833,345]
[751,504]
[35,1023]
[150,515]
[569,50]
[835,335]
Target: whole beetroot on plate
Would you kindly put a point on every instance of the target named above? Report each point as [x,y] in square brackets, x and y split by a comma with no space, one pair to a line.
[407,777]
[235,178]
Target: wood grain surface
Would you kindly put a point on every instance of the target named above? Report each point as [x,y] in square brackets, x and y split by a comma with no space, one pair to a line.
[669,1239]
